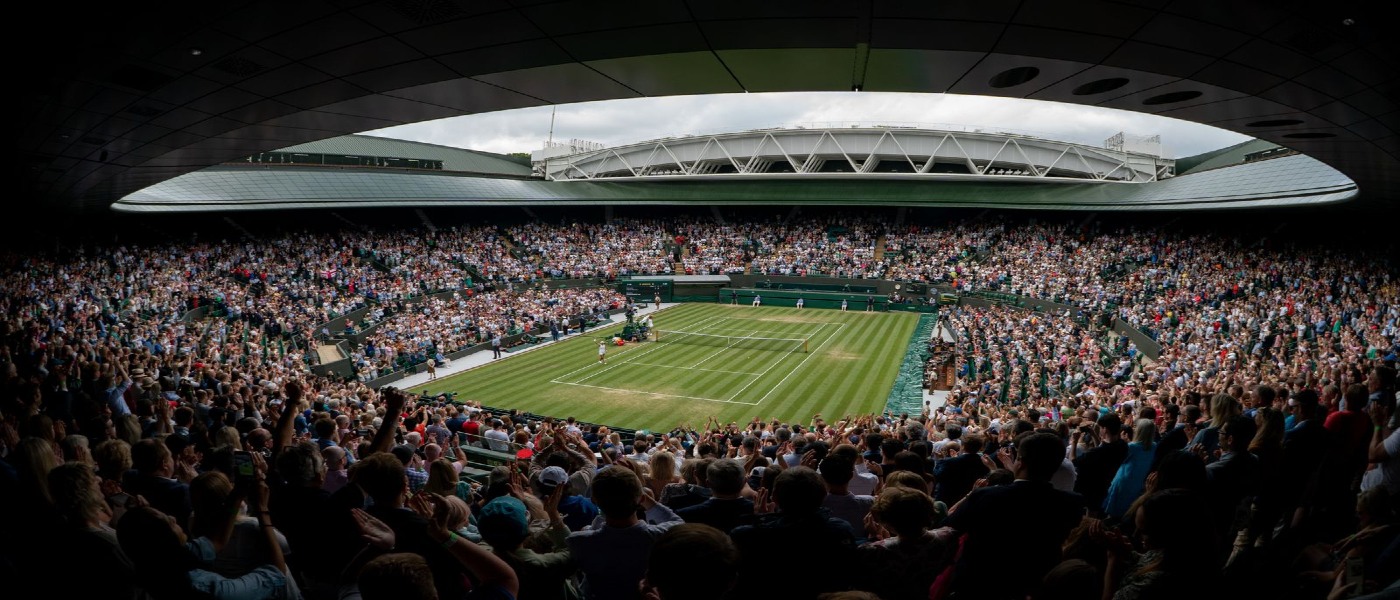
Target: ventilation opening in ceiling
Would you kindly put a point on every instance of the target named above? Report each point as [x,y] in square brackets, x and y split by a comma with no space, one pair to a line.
[1173,97]
[238,66]
[1100,86]
[1013,77]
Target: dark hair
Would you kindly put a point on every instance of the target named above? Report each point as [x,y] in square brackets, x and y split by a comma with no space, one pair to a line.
[998,477]
[1181,470]
[904,510]
[162,562]
[381,475]
[891,447]
[397,576]
[1041,454]
[1169,524]
[1241,430]
[1307,401]
[616,491]
[798,490]
[724,477]
[837,470]
[687,550]
[1111,424]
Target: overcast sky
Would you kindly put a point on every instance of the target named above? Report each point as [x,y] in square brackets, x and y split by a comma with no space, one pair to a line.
[614,122]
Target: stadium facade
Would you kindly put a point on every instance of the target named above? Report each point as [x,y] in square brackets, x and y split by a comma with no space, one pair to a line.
[862,166]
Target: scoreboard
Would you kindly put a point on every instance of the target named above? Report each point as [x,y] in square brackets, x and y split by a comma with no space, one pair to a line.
[645,291]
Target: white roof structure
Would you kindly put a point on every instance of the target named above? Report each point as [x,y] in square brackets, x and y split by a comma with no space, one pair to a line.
[864,151]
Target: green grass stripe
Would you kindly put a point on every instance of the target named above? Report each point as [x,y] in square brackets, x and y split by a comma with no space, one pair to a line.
[853,360]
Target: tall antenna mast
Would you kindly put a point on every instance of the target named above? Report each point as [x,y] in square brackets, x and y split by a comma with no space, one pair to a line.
[552,111]
[550,142]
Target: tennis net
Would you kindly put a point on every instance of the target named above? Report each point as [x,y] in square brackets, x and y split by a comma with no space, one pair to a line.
[730,341]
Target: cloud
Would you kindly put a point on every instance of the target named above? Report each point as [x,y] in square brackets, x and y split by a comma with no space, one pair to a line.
[614,122]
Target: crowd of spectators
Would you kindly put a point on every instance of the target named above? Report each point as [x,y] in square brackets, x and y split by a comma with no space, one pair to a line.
[1257,456]
[581,250]
[437,326]
[1009,355]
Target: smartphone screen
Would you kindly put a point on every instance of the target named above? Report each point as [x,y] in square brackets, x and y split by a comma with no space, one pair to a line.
[243,467]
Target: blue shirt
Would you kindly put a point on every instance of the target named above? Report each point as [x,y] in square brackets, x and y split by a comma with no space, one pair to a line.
[265,582]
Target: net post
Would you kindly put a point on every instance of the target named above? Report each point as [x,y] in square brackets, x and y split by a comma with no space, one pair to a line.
[804,345]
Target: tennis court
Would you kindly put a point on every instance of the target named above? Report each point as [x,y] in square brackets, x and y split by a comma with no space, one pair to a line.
[728,362]
[718,359]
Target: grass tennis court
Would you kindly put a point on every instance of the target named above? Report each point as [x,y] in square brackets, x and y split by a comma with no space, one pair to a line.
[731,362]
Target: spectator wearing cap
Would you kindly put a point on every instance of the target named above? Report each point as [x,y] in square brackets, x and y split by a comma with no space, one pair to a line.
[613,552]
[569,452]
[726,508]
[504,524]
[990,516]
[579,512]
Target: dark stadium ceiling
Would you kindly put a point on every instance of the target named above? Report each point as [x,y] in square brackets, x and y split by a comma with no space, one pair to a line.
[125,96]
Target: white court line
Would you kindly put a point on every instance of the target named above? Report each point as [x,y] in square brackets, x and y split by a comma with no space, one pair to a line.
[721,350]
[625,351]
[786,321]
[788,333]
[799,365]
[770,368]
[654,393]
[688,368]
[634,357]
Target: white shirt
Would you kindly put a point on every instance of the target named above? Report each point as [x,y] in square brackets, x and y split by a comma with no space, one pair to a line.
[498,440]
[1386,474]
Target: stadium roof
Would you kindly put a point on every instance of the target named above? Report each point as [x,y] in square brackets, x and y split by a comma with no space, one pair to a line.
[1223,157]
[453,159]
[119,97]
[1290,180]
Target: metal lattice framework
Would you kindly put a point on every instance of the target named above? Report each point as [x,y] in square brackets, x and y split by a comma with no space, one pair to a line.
[856,151]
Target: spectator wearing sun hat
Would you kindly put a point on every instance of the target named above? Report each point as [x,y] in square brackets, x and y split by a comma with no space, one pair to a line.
[504,524]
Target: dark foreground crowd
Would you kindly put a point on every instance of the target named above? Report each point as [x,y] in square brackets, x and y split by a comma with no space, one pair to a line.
[146,456]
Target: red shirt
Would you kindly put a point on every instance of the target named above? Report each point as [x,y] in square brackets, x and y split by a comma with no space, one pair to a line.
[1353,429]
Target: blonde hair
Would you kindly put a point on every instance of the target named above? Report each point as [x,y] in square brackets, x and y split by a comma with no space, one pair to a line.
[442,478]
[113,459]
[662,471]
[458,513]
[36,459]
[1222,407]
[907,479]
[75,493]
